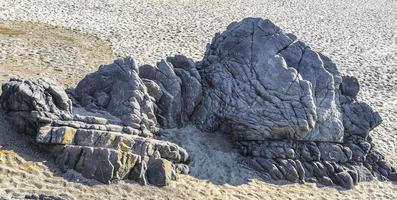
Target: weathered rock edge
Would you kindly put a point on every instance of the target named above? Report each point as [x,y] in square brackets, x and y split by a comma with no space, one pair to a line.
[287,107]
[111,142]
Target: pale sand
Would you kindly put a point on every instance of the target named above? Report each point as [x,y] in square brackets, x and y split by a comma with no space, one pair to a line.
[33,50]
[359,36]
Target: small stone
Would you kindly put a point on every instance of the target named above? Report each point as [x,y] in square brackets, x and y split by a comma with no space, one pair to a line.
[325,181]
[344,179]
[350,86]
[159,172]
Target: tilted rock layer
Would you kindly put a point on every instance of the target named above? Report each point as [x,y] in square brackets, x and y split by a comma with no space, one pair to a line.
[114,144]
[287,108]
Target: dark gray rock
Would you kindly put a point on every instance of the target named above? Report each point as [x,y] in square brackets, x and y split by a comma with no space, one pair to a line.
[31,103]
[43,197]
[286,106]
[349,86]
[325,181]
[359,119]
[176,86]
[138,173]
[169,104]
[103,164]
[159,172]
[26,95]
[89,144]
[258,84]
[117,89]
[344,179]
[353,158]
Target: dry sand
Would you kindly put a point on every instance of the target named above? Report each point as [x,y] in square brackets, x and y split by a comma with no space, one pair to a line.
[32,50]
[359,36]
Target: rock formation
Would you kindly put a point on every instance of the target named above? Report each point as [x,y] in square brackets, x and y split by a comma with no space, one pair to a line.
[111,144]
[286,106]
[176,86]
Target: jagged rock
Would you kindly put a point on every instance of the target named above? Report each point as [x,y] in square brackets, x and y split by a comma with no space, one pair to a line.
[344,179]
[43,95]
[29,103]
[138,173]
[176,86]
[169,104]
[359,119]
[103,164]
[117,89]
[89,144]
[113,140]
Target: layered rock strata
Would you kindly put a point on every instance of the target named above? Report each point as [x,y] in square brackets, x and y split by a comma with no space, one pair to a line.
[93,145]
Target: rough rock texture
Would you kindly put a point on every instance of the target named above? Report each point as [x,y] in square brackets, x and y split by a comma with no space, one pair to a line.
[117,89]
[176,86]
[287,107]
[261,84]
[89,144]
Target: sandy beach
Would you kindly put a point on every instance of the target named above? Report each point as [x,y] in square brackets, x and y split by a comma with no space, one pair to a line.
[68,39]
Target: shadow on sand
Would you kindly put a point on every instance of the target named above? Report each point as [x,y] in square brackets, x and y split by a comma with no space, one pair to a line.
[212,157]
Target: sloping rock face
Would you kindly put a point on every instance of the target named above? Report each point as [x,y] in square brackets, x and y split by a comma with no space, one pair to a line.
[92,145]
[261,84]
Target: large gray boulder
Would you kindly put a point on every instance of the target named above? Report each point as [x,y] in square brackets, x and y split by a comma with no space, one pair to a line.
[287,107]
[259,83]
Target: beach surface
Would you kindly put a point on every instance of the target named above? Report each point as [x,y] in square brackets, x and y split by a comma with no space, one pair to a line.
[66,40]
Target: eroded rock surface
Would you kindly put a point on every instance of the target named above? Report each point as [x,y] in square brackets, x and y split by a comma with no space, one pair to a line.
[117,89]
[176,85]
[259,83]
[93,145]
[286,106]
